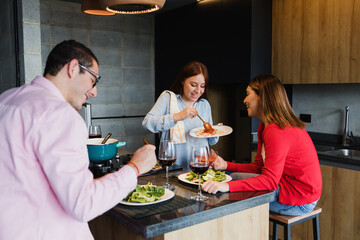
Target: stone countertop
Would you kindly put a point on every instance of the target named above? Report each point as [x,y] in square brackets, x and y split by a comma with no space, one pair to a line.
[336,161]
[327,158]
[326,142]
[188,214]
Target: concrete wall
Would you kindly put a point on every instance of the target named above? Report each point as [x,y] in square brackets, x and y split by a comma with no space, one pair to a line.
[326,104]
[124,45]
[7,46]
[30,44]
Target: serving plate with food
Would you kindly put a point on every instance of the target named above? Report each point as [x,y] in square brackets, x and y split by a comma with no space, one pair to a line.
[192,178]
[219,130]
[147,194]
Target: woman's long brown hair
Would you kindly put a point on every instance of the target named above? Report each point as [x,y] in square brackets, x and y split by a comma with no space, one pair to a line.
[274,101]
[193,68]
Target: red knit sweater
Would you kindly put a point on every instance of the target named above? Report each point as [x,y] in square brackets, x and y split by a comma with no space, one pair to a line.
[291,161]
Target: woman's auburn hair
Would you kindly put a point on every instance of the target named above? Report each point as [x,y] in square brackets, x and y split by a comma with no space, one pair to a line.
[274,102]
[193,68]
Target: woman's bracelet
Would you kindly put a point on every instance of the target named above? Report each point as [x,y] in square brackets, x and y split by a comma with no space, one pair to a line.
[138,172]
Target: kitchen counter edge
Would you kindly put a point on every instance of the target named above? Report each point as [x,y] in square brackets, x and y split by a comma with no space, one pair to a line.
[153,230]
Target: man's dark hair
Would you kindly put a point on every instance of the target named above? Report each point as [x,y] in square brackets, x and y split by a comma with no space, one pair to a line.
[66,51]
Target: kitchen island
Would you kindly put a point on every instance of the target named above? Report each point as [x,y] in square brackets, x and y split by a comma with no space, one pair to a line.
[239,215]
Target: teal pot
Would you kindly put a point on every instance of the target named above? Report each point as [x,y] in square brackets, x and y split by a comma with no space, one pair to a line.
[101,152]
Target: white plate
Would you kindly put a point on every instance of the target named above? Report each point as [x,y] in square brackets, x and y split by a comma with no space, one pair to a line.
[182,177]
[168,195]
[223,131]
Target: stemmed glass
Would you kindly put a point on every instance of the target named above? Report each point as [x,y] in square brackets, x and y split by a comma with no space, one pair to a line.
[166,158]
[94,131]
[199,164]
[212,156]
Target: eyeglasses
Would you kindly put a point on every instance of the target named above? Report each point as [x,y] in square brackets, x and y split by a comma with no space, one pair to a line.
[97,77]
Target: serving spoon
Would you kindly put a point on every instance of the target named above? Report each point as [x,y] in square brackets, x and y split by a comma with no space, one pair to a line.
[207,125]
[106,138]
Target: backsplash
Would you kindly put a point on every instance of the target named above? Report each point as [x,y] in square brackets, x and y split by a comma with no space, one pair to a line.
[326,104]
[124,46]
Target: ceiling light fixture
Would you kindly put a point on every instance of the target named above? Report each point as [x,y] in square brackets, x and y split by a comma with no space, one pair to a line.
[132,6]
[94,7]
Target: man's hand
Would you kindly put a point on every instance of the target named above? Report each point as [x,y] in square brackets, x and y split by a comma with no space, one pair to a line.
[144,158]
[214,187]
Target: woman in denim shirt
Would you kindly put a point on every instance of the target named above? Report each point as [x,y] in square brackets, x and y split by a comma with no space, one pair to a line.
[190,89]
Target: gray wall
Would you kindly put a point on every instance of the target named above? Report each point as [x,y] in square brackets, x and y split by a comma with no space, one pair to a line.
[326,104]
[124,45]
[30,46]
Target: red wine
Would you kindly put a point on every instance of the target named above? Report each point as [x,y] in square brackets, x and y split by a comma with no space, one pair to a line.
[167,161]
[199,167]
[94,135]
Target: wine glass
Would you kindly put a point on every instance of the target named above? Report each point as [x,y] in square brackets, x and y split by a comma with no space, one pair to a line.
[212,156]
[199,164]
[166,158]
[94,131]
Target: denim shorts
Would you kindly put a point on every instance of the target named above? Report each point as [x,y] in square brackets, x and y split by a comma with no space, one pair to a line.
[292,210]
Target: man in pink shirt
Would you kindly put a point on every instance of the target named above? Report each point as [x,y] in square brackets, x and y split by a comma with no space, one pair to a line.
[46,189]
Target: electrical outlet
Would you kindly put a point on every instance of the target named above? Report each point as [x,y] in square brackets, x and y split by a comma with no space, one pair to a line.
[305,117]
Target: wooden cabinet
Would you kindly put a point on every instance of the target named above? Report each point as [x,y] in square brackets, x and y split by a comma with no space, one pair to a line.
[316,41]
[340,203]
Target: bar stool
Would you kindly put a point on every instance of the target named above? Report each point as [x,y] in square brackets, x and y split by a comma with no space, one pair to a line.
[288,221]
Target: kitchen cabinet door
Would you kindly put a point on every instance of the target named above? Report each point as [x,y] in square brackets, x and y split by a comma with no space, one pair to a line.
[316,41]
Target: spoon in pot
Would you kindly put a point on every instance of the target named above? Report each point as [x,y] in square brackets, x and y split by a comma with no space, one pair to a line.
[106,138]
[207,125]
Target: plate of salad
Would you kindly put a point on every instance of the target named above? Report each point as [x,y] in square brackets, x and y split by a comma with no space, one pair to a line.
[147,194]
[193,178]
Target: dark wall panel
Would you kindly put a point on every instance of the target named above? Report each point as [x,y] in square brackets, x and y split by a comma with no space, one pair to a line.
[231,37]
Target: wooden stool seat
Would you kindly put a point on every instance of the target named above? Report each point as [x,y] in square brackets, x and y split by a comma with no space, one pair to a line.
[288,221]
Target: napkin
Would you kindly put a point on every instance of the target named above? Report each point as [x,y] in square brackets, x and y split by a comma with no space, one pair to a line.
[177,133]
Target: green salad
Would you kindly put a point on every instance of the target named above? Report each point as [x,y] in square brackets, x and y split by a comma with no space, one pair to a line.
[218,176]
[145,193]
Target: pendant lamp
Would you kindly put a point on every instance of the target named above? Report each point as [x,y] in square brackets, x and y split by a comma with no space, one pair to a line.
[94,7]
[132,6]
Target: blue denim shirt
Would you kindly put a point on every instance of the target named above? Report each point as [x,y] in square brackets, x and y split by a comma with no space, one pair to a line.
[159,120]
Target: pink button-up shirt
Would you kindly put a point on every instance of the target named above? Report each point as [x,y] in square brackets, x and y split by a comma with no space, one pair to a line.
[46,189]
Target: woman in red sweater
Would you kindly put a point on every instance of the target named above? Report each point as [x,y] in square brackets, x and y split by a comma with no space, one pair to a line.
[286,159]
